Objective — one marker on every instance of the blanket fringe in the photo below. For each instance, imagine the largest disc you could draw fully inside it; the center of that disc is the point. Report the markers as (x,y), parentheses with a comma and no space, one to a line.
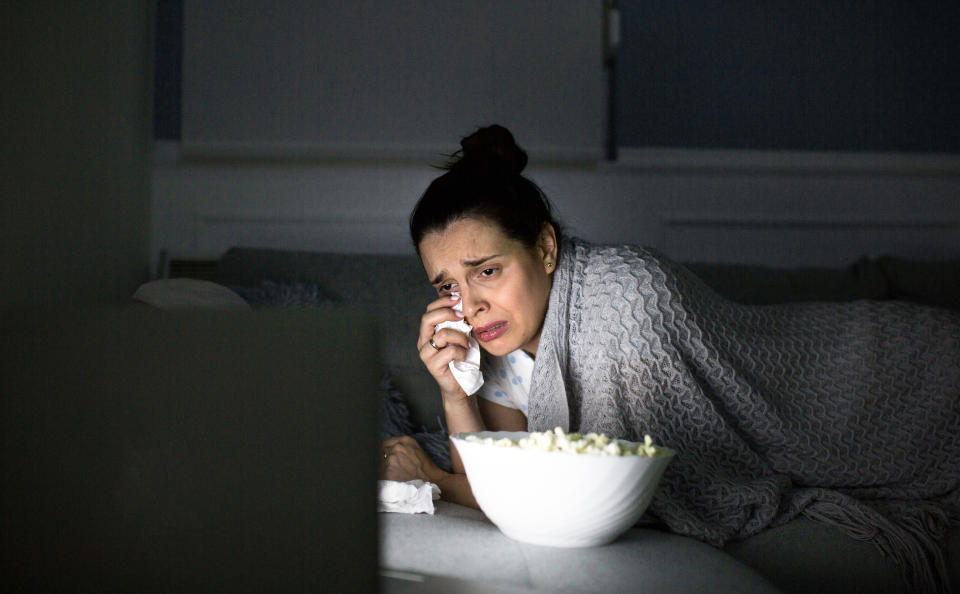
(914,540)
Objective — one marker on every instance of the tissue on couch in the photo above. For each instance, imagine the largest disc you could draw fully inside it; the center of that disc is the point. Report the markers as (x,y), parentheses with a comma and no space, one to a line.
(411,497)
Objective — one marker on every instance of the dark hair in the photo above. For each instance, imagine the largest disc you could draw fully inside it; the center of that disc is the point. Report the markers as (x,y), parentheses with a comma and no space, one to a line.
(483,180)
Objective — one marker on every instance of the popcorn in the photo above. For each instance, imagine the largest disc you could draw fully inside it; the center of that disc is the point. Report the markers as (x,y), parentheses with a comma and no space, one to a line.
(557,440)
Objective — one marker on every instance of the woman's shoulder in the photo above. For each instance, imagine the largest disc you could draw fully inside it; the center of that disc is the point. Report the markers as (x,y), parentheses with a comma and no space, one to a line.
(630,265)
(612,255)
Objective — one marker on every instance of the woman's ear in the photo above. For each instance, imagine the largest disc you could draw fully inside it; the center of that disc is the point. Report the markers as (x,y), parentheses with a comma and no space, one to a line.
(547,247)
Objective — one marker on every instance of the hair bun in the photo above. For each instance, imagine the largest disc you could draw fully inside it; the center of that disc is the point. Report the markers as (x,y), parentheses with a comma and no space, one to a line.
(493,148)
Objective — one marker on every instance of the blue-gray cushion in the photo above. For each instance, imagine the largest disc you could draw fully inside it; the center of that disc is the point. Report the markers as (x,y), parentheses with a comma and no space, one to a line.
(274,295)
(394,288)
(395,420)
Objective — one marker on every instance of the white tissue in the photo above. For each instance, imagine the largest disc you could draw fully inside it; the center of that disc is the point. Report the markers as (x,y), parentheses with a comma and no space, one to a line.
(411,497)
(467,373)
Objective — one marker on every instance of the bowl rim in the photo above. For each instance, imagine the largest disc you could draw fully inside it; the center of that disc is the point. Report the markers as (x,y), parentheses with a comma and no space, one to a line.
(663,451)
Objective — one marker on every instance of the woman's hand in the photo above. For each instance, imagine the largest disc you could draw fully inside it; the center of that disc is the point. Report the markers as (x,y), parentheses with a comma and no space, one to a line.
(448,345)
(405,460)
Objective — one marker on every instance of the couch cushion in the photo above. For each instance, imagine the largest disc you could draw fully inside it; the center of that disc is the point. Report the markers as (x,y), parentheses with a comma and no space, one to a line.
(809,556)
(274,295)
(395,289)
(461,542)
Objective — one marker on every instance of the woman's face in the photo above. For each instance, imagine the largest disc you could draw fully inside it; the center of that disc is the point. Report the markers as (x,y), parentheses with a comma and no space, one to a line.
(505,285)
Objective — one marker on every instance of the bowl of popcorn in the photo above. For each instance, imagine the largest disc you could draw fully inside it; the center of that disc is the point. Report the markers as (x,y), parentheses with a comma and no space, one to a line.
(561,489)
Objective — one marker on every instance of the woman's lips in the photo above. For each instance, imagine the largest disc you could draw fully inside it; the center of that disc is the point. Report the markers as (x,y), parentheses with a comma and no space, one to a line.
(490,331)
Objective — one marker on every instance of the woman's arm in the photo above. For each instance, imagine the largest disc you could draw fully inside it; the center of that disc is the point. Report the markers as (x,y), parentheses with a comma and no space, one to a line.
(501,418)
(481,414)
(474,414)
(405,460)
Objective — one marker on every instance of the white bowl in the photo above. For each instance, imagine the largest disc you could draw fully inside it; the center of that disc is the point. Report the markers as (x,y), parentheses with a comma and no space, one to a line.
(556,498)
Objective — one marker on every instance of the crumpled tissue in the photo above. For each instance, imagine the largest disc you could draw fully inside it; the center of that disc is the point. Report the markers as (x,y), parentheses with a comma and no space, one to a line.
(411,497)
(467,373)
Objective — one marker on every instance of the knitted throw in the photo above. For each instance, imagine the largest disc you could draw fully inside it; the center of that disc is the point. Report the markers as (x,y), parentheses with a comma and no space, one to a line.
(848,413)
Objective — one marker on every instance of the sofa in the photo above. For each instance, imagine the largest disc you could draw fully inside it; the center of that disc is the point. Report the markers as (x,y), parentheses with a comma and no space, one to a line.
(114,445)
(801,556)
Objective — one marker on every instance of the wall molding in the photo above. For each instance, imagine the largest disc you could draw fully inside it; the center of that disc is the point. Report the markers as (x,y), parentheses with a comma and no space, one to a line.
(214,217)
(292,152)
(629,160)
(805,222)
(218,230)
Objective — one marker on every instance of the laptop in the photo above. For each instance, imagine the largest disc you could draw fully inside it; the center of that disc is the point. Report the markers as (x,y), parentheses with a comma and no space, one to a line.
(147,450)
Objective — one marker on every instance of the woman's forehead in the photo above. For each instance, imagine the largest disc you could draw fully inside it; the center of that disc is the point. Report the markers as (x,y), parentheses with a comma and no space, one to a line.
(461,242)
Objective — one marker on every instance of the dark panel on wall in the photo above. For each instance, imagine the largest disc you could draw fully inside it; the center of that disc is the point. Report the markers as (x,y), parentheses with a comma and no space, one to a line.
(822,75)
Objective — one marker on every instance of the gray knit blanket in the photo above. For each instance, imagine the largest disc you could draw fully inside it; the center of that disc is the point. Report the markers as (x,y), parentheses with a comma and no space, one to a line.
(848,413)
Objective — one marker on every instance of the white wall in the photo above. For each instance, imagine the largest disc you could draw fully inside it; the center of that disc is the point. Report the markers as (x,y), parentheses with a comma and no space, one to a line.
(763,208)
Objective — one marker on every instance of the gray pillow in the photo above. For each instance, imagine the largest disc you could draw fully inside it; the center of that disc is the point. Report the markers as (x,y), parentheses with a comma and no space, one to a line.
(188,293)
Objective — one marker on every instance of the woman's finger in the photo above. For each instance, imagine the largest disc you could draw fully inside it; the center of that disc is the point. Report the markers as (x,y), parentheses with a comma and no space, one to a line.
(437,312)
(444,346)
(437,361)
(397,439)
(448,336)
(401,446)
(434,316)
(442,302)
(399,468)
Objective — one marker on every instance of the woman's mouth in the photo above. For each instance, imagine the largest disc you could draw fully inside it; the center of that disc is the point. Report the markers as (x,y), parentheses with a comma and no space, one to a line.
(490,331)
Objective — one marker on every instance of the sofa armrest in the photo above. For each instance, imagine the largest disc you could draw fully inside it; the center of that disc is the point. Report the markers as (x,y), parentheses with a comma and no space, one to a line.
(761,285)
(933,283)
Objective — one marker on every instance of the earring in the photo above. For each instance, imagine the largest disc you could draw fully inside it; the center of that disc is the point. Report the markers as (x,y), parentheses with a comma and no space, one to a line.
(549,264)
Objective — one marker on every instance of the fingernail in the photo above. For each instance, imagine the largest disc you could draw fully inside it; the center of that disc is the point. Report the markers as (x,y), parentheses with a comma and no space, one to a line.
(459,313)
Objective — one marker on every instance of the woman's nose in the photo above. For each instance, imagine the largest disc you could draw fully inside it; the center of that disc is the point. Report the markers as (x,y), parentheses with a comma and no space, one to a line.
(473,304)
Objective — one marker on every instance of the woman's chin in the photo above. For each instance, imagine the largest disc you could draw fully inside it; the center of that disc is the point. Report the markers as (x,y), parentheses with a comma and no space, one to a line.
(496,348)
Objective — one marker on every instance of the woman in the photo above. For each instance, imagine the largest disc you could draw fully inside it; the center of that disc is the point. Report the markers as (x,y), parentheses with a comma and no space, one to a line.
(486,233)
(846,413)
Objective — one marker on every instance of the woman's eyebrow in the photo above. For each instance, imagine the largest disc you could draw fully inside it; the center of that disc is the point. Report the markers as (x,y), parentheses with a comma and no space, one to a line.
(466,264)
(477,262)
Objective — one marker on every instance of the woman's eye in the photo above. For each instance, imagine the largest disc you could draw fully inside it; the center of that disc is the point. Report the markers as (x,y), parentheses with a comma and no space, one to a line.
(445,289)
(488,272)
